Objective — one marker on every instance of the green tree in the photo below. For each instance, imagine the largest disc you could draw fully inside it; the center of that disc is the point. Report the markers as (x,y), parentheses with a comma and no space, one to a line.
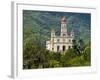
(81,45)
(67,56)
(87,54)
(54,63)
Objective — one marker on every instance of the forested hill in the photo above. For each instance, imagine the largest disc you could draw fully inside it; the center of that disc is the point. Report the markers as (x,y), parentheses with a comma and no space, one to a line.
(37,25)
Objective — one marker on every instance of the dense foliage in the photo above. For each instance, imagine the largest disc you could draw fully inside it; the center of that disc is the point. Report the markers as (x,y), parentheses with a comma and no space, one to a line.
(36,56)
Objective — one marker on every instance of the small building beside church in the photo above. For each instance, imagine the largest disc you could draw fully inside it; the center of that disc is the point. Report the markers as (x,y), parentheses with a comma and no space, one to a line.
(62,42)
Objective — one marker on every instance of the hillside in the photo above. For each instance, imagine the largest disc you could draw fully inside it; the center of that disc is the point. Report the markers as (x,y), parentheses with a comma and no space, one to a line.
(37,24)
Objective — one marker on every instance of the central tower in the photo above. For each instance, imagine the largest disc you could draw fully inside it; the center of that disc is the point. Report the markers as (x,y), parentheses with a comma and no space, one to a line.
(62,42)
(63,27)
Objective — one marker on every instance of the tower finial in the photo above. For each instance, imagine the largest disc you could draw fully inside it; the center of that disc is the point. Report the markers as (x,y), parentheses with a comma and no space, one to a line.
(52,30)
(72,33)
(63,20)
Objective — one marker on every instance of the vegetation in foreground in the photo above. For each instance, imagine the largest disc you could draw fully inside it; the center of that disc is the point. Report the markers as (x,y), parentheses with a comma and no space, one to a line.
(35,56)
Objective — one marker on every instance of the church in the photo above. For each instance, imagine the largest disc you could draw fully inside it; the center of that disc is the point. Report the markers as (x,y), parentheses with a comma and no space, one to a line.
(62,42)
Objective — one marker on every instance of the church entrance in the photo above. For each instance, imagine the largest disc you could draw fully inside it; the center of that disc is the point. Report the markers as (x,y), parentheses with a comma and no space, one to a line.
(58,48)
(64,48)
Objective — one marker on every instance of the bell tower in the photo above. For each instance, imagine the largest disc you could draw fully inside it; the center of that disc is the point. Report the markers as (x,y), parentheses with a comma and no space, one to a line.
(52,39)
(52,33)
(63,27)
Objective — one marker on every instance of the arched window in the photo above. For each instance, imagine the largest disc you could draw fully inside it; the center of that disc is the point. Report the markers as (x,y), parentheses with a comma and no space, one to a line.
(69,47)
(58,40)
(64,48)
(69,40)
(58,47)
(64,34)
